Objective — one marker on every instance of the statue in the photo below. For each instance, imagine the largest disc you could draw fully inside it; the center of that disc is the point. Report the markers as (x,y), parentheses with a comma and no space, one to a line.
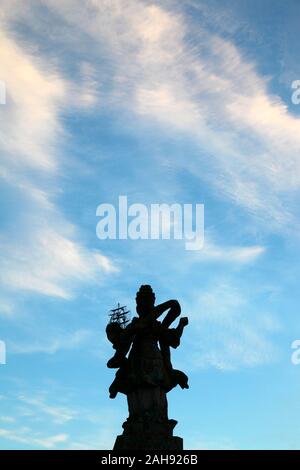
(147,374)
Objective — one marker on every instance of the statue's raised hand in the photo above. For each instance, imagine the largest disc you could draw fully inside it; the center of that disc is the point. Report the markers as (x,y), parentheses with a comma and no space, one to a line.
(184,321)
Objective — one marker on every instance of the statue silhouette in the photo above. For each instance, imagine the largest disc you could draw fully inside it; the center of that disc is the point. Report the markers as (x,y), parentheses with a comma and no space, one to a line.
(147,374)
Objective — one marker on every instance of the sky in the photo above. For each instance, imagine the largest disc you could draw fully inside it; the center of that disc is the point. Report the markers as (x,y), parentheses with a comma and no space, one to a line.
(182,101)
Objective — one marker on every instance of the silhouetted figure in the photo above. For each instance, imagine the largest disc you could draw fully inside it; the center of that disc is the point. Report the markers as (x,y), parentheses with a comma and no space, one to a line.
(146,375)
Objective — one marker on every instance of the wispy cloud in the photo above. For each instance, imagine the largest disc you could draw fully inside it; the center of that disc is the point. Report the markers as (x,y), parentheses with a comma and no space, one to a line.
(6,307)
(79,426)
(27,437)
(58,414)
(59,342)
(230,254)
(47,258)
(29,121)
(233,334)
(161,76)
(209,92)
(50,263)
(205,89)
(7,419)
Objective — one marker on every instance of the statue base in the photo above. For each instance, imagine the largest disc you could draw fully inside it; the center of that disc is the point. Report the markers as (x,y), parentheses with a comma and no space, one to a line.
(148,436)
(148,426)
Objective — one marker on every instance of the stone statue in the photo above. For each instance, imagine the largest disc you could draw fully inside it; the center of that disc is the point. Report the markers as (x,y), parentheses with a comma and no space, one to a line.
(146,375)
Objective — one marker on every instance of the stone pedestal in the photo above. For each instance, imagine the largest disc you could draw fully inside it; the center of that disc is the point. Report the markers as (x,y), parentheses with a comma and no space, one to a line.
(148,426)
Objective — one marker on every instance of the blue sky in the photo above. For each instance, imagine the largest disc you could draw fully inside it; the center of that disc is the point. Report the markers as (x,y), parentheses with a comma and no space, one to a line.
(163,101)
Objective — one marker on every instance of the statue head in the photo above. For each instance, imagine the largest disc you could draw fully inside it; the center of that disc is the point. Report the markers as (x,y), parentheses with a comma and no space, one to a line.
(145,299)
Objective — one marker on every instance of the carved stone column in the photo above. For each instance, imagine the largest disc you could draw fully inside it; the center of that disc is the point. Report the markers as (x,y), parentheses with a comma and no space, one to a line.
(147,426)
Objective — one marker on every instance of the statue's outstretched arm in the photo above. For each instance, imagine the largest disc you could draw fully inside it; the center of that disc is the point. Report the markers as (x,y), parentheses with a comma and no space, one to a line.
(174,311)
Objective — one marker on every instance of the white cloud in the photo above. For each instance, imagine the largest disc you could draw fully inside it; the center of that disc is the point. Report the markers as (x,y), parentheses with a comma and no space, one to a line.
(103,439)
(230,254)
(203,88)
(228,332)
(187,79)
(58,414)
(52,441)
(106,425)
(7,419)
(58,342)
(86,96)
(44,257)
(225,107)
(80,427)
(25,436)
(6,307)
(29,120)
(50,263)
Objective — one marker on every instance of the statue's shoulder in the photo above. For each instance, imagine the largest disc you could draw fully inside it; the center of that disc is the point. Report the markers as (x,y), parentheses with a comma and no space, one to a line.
(132,323)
